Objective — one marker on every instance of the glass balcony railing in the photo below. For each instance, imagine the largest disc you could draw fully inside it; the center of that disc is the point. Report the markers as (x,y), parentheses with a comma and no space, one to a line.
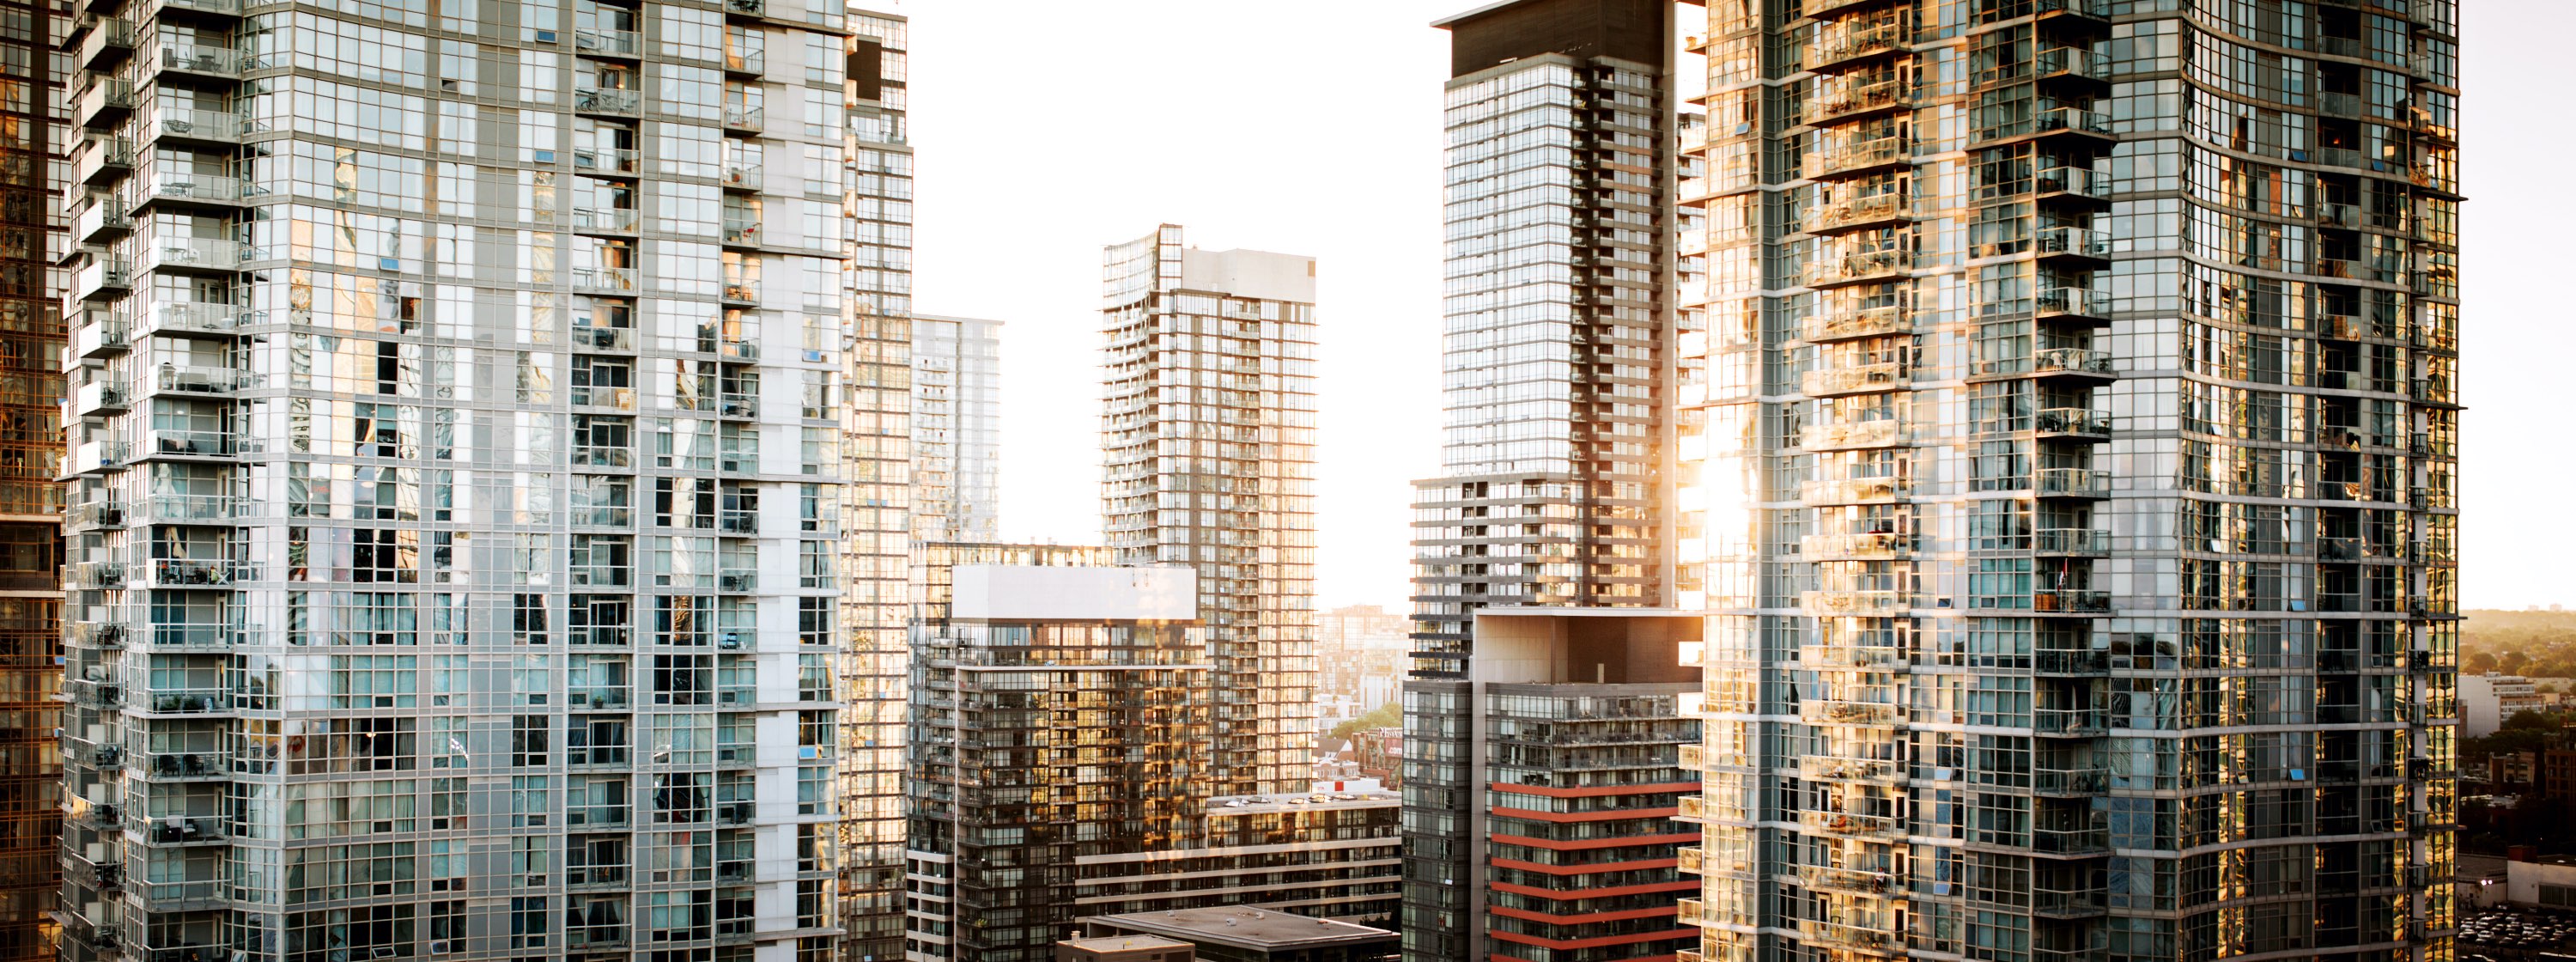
(1836,99)
(1847,435)
(1828,768)
(1848,657)
(2085,422)
(2072,241)
(1854,379)
(1851,931)
(1850,712)
(2068,721)
(2074,181)
(1840,322)
(1850,880)
(1829,268)
(1829,604)
(1840,491)
(1859,211)
(2071,541)
(2070,781)
(592,100)
(1851,41)
(2072,482)
(1870,546)
(1856,156)
(747,119)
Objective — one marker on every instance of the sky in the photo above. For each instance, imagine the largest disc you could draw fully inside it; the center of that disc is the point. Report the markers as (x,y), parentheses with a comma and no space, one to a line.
(1046,130)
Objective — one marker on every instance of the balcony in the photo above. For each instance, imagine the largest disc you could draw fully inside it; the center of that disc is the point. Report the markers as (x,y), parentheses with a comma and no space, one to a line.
(604,338)
(104,103)
(611,280)
(742,231)
(2072,422)
(1872,546)
(600,697)
(1864,604)
(173,185)
(99,160)
(180,701)
(1859,213)
(1854,379)
(1844,322)
(204,128)
(200,380)
(612,101)
(2071,841)
(738,405)
(155,9)
(2062,901)
(1851,435)
(107,42)
(1848,491)
(1828,269)
(747,62)
(740,178)
(1847,42)
(738,581)
(604,220)
(742,119)
(2070,601)
(104,277)
(2089,249)
(2073,362)
(192,318)
(184,766)
(2071,483)
(177,442)
(1862,657)
(2068,722)
(101,221)
(219,509)
(606,160)
(192,254)
(196,572)
(2071,303)
(1849,880)
(1850,712)
(220,62)
(1852,931)
(2071,542)
(1858,157)
(621,44)
(747,8)
(2071,183)
(92,457)
(1839,100)
(1872,771)
(2070,781)
(2081,68)
(97,398)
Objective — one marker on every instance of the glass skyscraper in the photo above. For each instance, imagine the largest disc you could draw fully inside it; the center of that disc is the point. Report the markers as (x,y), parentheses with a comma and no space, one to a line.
(1208,439)
(956,428)
(460,406)
(2079,480)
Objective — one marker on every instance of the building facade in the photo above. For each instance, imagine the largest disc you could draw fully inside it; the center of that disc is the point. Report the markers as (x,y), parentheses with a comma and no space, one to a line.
(874,341)
(2489,700)
(956,429)
(1561,357)
(1061,716)
(463,573)
(32,341)
(1208,446)
(2079,486)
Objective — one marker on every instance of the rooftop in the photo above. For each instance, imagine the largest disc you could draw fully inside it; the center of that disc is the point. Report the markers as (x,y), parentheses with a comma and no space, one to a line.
(1124,943)
(1242,927)
(1303,802)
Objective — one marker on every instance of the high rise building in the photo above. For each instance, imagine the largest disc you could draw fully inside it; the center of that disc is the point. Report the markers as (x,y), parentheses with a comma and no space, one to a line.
(956,429)
(1540,768)
(875,451)
(32,341)
(2080,480)
(1208,433)
(1061,711)
(463,576)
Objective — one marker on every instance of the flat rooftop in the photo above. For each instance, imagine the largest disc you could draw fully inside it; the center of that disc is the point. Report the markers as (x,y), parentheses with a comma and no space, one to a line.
(1224,805)
(1243,927)
(1124,943)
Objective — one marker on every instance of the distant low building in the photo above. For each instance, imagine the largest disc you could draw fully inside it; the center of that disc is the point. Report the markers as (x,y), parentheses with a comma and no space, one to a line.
(1249,934)
(2488,701)
(1123,948)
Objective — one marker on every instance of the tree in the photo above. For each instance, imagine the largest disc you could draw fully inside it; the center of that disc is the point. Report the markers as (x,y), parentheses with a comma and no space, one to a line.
(1389,715)
(2482,662)
(2511,662)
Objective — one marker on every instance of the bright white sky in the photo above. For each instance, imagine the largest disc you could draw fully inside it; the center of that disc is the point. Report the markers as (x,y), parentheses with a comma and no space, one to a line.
(1046,130)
